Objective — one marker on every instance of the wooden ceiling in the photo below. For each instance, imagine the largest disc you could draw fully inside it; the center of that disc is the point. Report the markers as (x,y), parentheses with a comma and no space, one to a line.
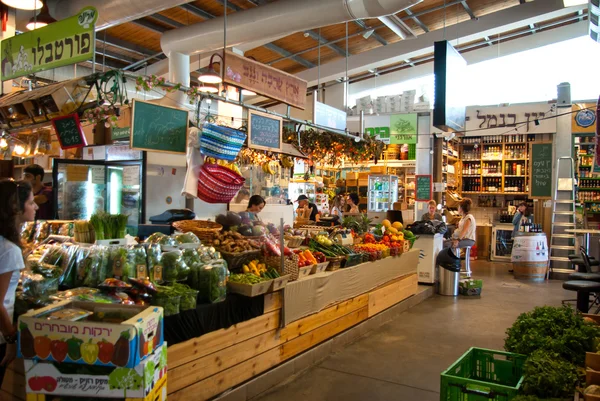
(139,40)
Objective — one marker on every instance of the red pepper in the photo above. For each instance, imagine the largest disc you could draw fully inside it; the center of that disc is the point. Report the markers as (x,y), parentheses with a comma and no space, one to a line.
(59,350)
(105,352)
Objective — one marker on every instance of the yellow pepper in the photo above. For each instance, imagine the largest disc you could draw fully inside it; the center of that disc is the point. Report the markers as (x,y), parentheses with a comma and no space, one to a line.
(89,352)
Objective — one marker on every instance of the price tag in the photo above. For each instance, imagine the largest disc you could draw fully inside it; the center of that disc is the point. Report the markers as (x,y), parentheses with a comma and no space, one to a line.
(131,175)
(98,175)
(157,273)
(77,173)
(141,272)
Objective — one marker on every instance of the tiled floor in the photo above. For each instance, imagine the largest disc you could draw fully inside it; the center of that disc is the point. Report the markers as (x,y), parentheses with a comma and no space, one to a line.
(403,359)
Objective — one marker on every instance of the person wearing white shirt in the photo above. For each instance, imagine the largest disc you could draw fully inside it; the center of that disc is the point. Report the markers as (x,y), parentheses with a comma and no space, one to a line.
(465,234)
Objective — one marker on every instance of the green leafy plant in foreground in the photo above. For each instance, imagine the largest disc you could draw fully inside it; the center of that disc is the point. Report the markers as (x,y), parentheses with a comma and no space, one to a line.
(547,375)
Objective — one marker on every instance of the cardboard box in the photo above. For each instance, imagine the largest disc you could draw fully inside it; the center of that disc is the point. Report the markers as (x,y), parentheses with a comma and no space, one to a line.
(351,183)
(378,170)
(248,290)
(363,175)
(132,340)
(352,176)
(138,382)
(363,182)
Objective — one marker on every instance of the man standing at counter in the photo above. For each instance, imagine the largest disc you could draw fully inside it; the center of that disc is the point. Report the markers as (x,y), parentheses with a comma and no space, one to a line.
(304,204)
(43,195)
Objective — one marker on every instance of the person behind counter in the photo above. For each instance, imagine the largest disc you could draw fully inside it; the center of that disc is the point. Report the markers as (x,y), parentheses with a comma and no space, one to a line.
(521,216)
(242,195)
(34,174)
(352,203)
(256,204)
(464,235)
(337,206)
(17,206)
(304,204)
(432,213)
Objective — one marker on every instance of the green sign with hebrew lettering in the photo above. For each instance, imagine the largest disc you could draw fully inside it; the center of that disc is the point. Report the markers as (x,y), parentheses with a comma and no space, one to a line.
(65,42)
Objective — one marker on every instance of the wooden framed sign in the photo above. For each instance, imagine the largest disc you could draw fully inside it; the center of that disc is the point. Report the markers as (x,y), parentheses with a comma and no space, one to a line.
(158,128)
(423,188)
(264,131)
(540,170)
(69,132)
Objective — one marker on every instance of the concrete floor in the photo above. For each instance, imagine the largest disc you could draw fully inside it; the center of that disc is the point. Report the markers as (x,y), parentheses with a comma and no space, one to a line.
(403,359)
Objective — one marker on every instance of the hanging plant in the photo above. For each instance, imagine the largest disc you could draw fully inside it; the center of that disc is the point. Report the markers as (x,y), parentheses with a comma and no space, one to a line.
(151,82)
(104,115)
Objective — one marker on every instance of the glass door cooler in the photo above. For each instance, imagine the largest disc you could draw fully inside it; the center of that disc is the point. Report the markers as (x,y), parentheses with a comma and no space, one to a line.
(501,242)
(383,192)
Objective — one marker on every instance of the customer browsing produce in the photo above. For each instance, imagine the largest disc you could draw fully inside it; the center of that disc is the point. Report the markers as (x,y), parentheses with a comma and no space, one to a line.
(17,206)
(352,203)
(256,204)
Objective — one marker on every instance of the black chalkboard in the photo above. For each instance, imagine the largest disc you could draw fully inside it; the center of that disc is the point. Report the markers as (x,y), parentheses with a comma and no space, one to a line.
(540,177)
(423,188)
(264,131)
(69,132)
(158,128)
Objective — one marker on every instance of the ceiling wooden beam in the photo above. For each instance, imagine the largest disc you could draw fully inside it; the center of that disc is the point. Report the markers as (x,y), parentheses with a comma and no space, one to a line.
(167,20)
(321,40)
(196,11)
(150,25)
(116,56)
(230,5)
(468,9)
(124,45)
(288,54)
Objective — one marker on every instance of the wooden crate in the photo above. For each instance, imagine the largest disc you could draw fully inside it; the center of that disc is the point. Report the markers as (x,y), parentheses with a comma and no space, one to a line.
(363,182)
(378,170)
(280,283)
(364,176)
(304,272)
(351,182)
(352,176)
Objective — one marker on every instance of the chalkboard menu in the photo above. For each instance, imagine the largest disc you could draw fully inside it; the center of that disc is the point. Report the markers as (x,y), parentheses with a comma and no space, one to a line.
(540,176)
(158,128)
(69,132)
(264,131)
(422,187)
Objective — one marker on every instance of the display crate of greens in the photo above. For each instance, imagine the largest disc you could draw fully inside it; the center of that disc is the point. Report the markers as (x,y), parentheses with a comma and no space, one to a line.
(132,331)
(319,268)
(250,290)
(279,283)
(483,375)
(353,259)
(210,280)
(135,383)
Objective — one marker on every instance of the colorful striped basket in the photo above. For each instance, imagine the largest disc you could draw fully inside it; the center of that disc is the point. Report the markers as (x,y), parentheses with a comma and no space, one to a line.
(218,184)
(221,142)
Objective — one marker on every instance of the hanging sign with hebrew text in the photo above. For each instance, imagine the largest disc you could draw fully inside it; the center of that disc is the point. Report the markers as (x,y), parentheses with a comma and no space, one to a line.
(69,41)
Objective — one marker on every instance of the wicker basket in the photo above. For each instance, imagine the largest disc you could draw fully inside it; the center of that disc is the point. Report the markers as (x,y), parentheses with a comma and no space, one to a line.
(295,242)
(204,229)
(290,265)
(235,261)
(336,263)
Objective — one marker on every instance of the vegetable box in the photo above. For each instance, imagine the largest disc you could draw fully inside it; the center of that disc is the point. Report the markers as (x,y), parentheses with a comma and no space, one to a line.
(249,290)
(279,283)
(470,287)
(114,335)
(78,380)
(304,272)
(319,268)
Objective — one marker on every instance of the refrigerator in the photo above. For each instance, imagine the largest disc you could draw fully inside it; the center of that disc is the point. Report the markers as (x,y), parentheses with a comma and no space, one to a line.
(296,189)
(501,242)
(85,187)
(383,192)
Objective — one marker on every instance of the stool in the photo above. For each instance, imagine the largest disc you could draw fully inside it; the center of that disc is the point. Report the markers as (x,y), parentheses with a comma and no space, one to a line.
(467,272)
(583,288)
(585,276)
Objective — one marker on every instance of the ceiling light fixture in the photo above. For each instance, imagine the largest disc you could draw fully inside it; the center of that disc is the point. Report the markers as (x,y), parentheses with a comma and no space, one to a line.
(209,88)
(209,75)
(24,4)
(248,92)
(571,3)
(3,143)
(19,150)
(368,34)
(42,19)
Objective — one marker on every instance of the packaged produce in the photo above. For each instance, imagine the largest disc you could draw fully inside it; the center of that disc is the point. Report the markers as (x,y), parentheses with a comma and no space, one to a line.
(169,302)
(28,231)
(167,241)
(70,314)
(109,226)
(153,258)
(154,238)
(172,263)
(70,294)
(128,262)
(36,288)
(136,259)
(188,296)
(187,238)
(54,255)
(113,283)
(42,231)
(66,229)
(143,284)
(210,280)
(46,270)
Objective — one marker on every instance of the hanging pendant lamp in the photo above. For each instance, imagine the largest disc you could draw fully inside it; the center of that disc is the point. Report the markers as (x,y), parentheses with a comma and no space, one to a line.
(42,19)
(24,4)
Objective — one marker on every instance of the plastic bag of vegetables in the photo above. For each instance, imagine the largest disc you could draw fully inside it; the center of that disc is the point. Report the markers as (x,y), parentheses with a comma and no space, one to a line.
(136,261)
(68,277)
(210,280)
(54,255)
(187,238)
(88,265)
(42,231)
(153,259)
(168,298)
(155,238)
(172,264)
(104,268)
(117,264)
(36,288)
(188,296)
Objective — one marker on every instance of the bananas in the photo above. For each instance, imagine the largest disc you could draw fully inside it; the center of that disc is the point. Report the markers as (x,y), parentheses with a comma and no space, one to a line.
(287,162)
(231,166)
(268,168)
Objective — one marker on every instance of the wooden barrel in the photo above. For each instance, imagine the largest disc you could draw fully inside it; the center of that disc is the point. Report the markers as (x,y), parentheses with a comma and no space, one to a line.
(530,256)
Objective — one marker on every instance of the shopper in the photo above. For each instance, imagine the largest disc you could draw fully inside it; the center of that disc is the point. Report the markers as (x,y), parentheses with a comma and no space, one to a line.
(43,195)
(432,213)
(521,216)
(337,206)
(304,205)
(17,206)
(256,204)
(242,195)
(464,235)
(352,203)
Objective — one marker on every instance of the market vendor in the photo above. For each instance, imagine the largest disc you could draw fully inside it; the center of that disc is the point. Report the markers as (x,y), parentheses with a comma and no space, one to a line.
(304,204)
(17,206)
(256,204)
(464,235)
(34,174)
(432,213)
(352,203)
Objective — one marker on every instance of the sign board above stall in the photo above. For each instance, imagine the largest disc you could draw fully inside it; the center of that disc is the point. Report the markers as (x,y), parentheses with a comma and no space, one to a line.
(69,132)
(264,80)
(65,42)
(327,116)
(395,129)
(264,131)
(540,179)
(450,79)
(500,120)
(158,128)
(583,118)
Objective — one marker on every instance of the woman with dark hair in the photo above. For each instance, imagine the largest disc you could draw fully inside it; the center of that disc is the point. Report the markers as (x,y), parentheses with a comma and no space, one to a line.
(464,235)
(17,206)
(521,216)
(352,203)
(256,203)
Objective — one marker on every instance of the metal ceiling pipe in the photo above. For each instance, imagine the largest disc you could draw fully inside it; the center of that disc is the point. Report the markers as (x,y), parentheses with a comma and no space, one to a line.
(112,12)
(397,26)
(276,19)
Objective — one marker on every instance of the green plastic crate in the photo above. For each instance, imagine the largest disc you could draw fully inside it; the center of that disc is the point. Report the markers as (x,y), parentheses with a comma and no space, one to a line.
(483,375)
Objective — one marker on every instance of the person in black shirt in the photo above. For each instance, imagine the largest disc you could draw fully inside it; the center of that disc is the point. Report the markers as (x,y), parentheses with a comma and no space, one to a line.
(303,203)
